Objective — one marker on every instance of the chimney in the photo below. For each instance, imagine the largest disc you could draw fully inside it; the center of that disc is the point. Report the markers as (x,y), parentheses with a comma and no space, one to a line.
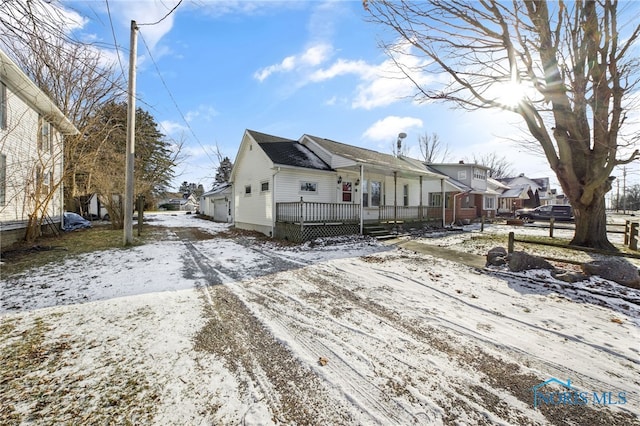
(461,162)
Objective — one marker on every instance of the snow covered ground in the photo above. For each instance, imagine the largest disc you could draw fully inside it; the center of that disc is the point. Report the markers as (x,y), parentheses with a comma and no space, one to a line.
(206,326)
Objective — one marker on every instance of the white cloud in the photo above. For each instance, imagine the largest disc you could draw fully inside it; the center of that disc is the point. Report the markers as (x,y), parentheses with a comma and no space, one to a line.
(313,56)
(203,113)
(170,128)
(387,129)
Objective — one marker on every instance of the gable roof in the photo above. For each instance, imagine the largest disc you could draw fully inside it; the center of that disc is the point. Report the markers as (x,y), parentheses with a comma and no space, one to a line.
(288,152)
(368,156)
(26,89)
(218,188)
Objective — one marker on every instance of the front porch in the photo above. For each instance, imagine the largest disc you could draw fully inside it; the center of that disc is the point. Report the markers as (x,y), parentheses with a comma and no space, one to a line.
(303,220)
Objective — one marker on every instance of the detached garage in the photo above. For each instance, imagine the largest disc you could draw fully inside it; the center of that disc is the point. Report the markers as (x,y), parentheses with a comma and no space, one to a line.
(218,203)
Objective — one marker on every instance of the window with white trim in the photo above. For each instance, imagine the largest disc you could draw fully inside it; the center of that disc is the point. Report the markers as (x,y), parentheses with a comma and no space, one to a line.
(308,186)
(3,106)
(247,190)
(376,193)
(435,199)
(264,186)
(44,137)
(489,203)
(405,195)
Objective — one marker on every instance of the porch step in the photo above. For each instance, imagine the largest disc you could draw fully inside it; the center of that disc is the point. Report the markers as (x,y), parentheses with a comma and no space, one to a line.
(377,232)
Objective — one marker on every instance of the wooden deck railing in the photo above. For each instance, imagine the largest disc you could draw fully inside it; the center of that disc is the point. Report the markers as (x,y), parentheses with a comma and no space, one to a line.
(312,212)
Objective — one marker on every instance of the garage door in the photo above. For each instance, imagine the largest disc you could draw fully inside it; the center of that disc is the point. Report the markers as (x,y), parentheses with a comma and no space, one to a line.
(220,210)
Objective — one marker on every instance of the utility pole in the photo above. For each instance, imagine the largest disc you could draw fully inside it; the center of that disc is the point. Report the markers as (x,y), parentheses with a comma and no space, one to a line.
(131,138)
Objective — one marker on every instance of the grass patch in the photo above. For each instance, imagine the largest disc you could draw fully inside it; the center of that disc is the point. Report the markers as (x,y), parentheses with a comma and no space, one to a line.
(40,382)
(54,249)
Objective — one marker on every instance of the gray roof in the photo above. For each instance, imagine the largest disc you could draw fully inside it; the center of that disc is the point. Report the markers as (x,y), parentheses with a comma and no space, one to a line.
(368,156)
(288,152)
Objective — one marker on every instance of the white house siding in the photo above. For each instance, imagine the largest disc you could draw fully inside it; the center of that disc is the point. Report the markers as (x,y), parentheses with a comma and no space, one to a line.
(288,182)
(19,143)
(254,211)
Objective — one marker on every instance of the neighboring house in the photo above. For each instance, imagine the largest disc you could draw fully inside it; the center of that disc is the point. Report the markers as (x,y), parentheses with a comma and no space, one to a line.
(475,197)
(178,201)
(301,189)
(524,192)
(32,129)
(218,203)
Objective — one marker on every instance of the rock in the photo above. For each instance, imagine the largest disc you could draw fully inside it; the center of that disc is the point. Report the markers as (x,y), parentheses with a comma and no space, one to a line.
(569,277)
(520,261)
(497,256)
(616,270)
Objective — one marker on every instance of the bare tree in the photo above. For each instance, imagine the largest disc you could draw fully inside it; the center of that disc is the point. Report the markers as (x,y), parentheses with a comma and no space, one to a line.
(573,64)
(499,167)
(432,148)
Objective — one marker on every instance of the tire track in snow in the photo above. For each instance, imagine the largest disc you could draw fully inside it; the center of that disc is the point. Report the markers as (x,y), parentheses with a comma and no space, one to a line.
(370,393)
(267,371)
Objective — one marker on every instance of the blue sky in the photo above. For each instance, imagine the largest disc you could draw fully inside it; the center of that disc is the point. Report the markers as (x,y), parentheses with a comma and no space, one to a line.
(210,70)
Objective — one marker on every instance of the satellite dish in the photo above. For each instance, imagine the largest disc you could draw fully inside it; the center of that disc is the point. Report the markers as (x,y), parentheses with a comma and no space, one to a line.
(402,135)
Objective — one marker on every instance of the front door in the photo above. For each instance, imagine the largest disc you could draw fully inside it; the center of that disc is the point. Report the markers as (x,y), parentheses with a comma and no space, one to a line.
(347,192)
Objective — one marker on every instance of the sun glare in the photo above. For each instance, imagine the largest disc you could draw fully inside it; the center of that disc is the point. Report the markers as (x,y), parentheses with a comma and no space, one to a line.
(509,94)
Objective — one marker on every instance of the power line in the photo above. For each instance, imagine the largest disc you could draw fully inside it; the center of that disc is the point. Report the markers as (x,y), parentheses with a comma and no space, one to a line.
(115,40)
(165,16)
(174,100)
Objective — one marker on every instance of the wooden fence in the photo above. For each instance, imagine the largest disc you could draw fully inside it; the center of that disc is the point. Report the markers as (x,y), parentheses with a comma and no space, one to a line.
(631,234)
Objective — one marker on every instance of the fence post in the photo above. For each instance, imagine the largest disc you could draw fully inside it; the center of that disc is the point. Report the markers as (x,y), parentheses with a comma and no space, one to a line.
(551,222)
(301,217)
(512,237)
(627,231)
(633,236)
(482,224)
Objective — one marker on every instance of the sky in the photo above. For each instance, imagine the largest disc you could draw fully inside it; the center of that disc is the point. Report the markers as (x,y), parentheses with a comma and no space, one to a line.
(210,69)
(407,338)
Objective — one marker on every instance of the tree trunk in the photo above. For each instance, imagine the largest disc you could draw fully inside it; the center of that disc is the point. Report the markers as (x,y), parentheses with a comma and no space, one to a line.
(591,226)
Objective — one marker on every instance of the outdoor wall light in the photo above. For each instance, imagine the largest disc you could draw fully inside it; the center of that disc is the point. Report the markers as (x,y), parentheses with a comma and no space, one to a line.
(339,179)
(357,182)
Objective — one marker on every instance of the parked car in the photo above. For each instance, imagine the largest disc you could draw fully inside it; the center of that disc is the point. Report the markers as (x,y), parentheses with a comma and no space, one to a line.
(562,212)
(73,221)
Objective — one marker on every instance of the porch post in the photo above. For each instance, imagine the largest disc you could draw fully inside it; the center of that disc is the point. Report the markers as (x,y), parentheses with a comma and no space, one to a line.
(444,202)
(395,198)
(420,215)
(361,198)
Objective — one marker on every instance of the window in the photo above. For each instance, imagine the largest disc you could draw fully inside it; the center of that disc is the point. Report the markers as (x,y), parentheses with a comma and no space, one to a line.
(489,203)
(462,174)
(247,190)
(376,190)
(44,138)
(346,192)
(365,193)
(3,179)
(308,187)
(405,195)
(479,174)
(264,186)
(3,106)
(435,199)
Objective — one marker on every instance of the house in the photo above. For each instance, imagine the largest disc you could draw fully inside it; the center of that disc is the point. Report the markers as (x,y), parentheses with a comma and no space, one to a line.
(524,192)
(32,131)
(311,187)
(179,202)
(472,196)
(218,203)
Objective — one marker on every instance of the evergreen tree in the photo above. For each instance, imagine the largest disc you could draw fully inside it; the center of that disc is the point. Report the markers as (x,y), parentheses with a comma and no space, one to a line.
(224,170)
